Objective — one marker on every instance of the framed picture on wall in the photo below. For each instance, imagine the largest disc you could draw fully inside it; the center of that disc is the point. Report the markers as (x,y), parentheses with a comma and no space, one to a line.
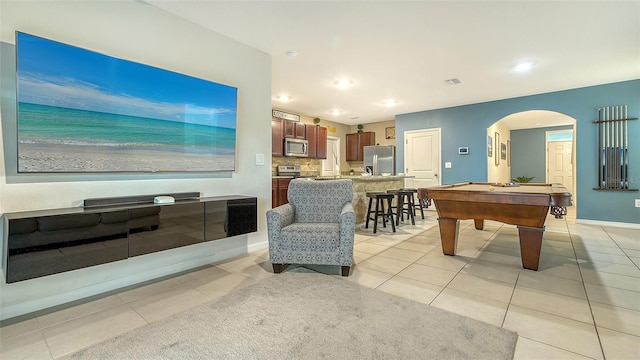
(489,146)
(508,152)
(503,151)
(497,140)
(390,133)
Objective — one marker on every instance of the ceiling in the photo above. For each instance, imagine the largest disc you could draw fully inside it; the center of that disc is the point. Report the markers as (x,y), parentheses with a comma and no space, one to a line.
(406,50)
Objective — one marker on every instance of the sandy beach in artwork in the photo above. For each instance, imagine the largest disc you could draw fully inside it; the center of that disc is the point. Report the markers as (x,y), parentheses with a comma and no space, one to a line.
(68,158)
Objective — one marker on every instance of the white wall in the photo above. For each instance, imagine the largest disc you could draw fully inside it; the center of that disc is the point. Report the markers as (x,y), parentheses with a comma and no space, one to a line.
(142,33)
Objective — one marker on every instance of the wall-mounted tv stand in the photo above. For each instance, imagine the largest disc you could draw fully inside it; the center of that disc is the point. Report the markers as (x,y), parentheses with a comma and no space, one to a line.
(45,242)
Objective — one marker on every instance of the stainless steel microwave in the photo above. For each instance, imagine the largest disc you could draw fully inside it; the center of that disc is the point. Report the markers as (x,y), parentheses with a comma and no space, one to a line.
(296,147)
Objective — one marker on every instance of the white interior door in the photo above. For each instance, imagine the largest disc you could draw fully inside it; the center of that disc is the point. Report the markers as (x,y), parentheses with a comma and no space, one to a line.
(331,165)
(559,166)
(422,157)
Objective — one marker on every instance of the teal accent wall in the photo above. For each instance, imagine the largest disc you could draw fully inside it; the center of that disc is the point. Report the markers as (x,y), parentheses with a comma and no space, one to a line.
(528,155)
(467,126)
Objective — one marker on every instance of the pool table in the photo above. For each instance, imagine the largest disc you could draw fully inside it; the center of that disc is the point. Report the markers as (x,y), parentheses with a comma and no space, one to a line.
(524,205)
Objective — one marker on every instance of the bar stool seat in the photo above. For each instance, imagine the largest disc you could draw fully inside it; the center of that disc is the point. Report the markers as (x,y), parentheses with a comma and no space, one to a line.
(379,210)
(404,205)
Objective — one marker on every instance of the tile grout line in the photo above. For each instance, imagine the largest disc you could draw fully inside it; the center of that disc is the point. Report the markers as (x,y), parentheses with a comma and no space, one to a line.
(595,324)
(513,291)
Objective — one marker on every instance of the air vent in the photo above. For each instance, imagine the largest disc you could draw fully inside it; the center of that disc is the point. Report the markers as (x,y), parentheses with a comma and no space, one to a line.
(454,81)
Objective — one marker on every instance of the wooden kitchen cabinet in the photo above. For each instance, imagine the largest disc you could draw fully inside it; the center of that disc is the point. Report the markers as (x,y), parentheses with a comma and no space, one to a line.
(312,140)
(321,146)
(356,142)
(317,139)
(283,187)
(295,130)
(279,188)
(274,192)
(277,136)
(315,135)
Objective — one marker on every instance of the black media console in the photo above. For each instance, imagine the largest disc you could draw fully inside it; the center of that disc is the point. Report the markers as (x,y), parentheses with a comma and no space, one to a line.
(47,242)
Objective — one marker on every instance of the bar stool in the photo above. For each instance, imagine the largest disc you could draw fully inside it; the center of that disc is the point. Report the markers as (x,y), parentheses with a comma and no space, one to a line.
(379,211)
(416,205)
(423,199)
(404,205)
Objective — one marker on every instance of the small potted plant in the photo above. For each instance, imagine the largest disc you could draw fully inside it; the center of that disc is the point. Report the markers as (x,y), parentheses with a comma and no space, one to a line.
(360,127)
(523,179)
(316,121)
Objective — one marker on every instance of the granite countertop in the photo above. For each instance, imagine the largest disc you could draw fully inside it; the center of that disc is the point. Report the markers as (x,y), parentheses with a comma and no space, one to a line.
(365,177)
(352,177)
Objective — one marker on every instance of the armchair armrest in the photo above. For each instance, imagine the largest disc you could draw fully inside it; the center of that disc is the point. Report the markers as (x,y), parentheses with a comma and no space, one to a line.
(347,226)
(277,218)
(347,211)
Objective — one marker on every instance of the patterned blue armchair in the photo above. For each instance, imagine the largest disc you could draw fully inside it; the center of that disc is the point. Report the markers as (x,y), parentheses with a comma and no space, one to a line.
(317,226)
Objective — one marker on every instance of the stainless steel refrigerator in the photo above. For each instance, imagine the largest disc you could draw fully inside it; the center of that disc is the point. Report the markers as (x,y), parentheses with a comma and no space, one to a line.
(380,159)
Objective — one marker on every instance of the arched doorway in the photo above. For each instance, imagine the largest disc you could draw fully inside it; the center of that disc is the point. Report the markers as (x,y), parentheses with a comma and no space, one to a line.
(523,142)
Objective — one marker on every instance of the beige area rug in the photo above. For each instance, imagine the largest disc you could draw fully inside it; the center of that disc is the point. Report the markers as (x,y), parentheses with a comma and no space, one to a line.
(301,314)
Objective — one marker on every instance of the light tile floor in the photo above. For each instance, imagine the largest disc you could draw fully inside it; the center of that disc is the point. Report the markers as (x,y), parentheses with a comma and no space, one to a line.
(583,303)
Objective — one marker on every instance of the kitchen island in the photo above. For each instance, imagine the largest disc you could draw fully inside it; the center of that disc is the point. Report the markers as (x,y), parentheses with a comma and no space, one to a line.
(367,183)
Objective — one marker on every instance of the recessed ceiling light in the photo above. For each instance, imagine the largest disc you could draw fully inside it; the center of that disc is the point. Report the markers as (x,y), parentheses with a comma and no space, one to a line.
(523,67)
(284,98)
(336,112)
(390,103)
(343,83)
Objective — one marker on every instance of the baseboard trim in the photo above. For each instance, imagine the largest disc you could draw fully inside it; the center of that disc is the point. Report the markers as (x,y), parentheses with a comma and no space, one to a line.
(608,223)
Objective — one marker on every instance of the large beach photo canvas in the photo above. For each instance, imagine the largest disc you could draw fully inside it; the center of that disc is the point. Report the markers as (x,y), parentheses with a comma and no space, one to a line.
(82,111)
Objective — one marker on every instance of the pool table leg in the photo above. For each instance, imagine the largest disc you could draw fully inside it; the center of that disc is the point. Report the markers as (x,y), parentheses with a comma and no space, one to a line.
(530,245)
(448,235)
(479,224)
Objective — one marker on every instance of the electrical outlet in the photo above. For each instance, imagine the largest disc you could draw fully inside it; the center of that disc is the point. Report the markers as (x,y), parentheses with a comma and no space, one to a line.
(637,202)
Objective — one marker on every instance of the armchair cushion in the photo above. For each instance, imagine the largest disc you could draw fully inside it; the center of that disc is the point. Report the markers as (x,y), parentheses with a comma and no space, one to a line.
(319,200)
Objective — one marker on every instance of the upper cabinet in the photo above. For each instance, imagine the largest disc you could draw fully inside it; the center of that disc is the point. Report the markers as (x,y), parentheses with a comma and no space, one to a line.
(293,129)
(315,135)
(356,142)
(317,139)
(321,148)
(277,134)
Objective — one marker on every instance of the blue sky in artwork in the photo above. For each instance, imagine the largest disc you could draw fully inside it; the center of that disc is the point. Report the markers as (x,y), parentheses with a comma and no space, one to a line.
(56,74)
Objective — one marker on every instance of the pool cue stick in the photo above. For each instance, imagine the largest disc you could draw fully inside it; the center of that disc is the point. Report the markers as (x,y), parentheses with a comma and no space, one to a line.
(621,149)
(619,143)
(626,147)
(608,165)
(600,149)
(615,148)
(606,144)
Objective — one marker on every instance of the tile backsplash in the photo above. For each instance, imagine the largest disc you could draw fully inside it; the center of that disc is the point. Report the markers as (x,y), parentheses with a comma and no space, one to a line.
(308,167)
(311,167)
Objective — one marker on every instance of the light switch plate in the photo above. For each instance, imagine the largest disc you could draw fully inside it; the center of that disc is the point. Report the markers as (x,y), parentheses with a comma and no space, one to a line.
(260,159)
(637,202)
(447,165)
